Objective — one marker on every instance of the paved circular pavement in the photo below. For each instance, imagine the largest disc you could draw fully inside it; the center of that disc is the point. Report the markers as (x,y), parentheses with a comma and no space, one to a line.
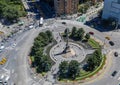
(77,52)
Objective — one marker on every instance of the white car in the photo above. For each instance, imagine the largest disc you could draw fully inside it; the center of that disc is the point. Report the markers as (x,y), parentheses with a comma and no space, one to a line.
(7,78)
(2,76)
(14,45)
(2,47)
(31,26)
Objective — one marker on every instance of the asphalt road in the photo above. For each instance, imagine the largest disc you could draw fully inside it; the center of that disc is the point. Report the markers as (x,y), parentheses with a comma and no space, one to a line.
(17,55)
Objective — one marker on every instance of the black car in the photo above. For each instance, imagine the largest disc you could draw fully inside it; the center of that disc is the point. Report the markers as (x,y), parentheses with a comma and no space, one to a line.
(114,73)
(111,43)
(64,23)
(116,54)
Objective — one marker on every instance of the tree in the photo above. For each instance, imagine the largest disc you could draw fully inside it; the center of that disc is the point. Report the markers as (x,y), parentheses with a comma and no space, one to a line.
(98,55)
(95,60)
(66,31)
(44,64)
(49,34)
(63,69)
(91,63)
(10,13)
(73,69)
(80,34)
(37,60)
(45,39)
(2,5)
(38,56)
(87,36)
(73,33)
(83,8)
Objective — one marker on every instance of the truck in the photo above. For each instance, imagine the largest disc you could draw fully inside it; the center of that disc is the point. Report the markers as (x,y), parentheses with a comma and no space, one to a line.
(41,21)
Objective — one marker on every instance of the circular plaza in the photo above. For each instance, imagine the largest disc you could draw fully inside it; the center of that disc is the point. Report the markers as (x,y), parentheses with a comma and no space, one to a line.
(76,52)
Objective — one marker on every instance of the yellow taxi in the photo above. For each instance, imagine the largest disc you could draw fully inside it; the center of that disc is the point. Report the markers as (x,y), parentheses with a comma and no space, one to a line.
(3,61)
(107,37)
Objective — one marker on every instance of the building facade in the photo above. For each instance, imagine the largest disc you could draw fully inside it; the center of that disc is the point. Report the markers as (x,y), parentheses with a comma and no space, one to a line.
(66,6)
(111,9)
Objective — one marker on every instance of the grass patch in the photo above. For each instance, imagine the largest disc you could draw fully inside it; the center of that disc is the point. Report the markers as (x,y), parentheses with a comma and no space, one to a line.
(43,73)
(83,72)
(32,58)
(93,43)
(48,50)
(90,74)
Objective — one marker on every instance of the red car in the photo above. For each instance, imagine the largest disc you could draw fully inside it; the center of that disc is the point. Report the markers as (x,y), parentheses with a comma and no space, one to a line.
(92,33)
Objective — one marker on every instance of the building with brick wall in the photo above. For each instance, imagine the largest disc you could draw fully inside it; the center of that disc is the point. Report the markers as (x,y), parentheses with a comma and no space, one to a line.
(66,6)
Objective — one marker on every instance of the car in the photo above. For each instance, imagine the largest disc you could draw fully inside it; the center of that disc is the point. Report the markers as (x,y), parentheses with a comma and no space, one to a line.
(92,33)
(0,50)
(63,22)
(114,73)
(116,54)
(7,78)
(5,83)
(2,76)
(3,61)
(14,44)
(1,83)
(111,43)
(107,37)
(31,26)
(2,47)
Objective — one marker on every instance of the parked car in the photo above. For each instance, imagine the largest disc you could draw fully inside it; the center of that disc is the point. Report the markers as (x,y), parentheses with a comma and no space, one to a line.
(111,43)
(116,54)
(114,73)
(92,33)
